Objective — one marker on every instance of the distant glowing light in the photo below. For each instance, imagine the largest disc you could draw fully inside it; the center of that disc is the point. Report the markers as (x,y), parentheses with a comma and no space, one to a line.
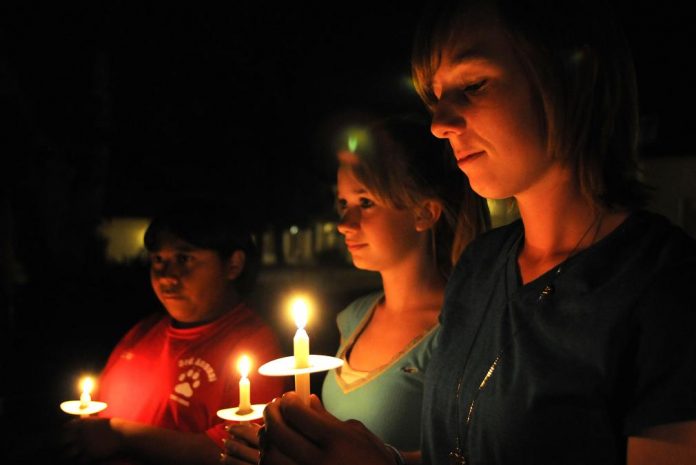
(407,83)
(294,230)
(357,138)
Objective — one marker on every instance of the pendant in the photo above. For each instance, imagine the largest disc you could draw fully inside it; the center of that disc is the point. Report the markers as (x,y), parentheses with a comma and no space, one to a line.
(546,292)
(456,457)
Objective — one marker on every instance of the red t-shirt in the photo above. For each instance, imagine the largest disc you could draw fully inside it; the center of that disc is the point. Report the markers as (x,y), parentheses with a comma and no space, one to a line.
(179,378)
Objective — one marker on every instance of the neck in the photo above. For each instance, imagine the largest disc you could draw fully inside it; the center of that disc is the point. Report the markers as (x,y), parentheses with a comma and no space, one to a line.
(229,301)
(415,284)
(558,222)
(555,226)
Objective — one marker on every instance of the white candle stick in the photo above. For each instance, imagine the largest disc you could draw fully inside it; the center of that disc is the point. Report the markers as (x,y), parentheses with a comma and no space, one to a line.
(244,386)
(301,349)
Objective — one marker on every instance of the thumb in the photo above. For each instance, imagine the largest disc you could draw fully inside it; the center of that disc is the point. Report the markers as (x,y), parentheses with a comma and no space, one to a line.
(315,404)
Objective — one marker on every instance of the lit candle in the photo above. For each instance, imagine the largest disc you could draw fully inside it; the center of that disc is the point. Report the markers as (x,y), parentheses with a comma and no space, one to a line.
(87,386)
(244,386)
(301,348)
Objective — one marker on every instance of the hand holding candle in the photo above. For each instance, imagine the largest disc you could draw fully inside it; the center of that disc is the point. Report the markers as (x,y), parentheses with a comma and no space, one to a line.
(301,348)
(244,386)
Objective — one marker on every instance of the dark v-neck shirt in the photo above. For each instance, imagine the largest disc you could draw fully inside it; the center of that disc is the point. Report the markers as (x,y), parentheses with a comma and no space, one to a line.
(610,351)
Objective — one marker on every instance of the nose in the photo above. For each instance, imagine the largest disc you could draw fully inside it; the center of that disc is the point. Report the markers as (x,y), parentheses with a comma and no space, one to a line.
(350,221)
(165,270)
(447,121)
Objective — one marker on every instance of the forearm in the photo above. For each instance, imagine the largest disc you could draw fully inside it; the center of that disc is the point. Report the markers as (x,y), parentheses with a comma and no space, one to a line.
(672,444)
(405,458)
(412,457)
(160,445)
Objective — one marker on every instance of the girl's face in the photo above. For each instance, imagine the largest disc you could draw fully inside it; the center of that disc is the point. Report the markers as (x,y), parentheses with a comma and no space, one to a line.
(486,109)
(377,235)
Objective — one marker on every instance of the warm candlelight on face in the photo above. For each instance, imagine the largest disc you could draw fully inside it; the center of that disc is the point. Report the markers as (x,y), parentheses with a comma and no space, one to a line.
(243,365)
(87,384)
(299,307)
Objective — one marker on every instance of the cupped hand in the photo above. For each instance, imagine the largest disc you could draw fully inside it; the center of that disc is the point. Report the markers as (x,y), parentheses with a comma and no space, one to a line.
(85,440)
(309,435)
(242,446)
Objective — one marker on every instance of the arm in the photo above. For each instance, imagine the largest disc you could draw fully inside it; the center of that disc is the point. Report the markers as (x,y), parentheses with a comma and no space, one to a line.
(302,435)
(243,445)
(670,444)
(95,439)
(412,458)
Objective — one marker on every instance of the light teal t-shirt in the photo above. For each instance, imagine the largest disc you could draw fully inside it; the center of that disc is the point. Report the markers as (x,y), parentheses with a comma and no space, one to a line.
(388,400)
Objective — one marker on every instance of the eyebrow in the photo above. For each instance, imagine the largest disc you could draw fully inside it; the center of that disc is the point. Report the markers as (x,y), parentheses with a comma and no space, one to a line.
(355,191)
(471,56)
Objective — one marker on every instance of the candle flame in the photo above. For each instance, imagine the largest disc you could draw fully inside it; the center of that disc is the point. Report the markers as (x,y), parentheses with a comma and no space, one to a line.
(86,385)
(244,365)
(300,309)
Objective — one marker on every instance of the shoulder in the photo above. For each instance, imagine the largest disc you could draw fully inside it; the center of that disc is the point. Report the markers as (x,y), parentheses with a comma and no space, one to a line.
(489,249)
(659,235)
(152,322)
(243,329)
(242,315)
(349,317)
(645,248)
(491,242)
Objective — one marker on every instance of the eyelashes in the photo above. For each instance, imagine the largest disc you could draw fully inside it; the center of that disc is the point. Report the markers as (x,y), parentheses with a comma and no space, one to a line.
(363,202)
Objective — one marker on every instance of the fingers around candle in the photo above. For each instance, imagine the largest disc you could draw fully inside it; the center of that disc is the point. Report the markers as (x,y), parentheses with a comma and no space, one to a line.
(279,436)
(314,423)
(247,433)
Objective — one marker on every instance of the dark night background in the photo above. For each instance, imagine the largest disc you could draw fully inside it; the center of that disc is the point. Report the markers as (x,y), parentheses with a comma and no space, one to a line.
(113,108)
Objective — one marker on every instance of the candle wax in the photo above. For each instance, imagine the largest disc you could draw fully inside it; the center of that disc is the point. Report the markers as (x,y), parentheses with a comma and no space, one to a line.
(244,396)
(301,353)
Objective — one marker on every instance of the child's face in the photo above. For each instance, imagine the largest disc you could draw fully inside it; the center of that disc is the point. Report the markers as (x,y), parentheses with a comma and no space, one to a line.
(487,110)
(192,283)
(378,236)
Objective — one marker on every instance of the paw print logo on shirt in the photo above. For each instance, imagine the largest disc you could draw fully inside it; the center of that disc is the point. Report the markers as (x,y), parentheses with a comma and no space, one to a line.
(188,382)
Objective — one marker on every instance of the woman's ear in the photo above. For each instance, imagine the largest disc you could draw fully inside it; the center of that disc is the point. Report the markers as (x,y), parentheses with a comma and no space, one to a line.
(427,213)
(235,264)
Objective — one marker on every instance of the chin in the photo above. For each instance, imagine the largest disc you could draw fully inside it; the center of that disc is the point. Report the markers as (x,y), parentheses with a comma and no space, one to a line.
(362,265)
(180,312)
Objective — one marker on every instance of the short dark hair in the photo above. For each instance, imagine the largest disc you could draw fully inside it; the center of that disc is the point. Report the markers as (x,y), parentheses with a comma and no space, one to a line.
(210,224)
(582,72)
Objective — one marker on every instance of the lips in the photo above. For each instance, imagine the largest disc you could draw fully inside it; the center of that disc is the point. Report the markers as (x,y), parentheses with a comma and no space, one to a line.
(353,246)
(464,158)
(171,294)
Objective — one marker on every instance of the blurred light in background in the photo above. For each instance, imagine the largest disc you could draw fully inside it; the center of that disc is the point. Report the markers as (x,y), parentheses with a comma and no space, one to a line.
(124,238)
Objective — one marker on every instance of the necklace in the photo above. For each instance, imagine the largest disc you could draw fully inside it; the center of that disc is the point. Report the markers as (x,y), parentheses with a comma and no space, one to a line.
(549,288)
(458,456)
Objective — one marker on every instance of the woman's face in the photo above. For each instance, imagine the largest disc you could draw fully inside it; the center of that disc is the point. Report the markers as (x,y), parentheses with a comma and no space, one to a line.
(486,109)
(378,236)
